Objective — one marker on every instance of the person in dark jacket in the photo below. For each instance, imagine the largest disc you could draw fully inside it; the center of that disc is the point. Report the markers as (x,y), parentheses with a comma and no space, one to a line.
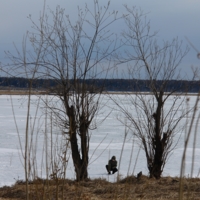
(112,165)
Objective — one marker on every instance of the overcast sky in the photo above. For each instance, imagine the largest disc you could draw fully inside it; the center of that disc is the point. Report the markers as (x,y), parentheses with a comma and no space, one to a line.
(171,18)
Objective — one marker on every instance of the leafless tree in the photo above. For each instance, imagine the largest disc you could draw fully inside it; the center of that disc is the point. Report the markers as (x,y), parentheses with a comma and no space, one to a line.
(70,52)
(152,121)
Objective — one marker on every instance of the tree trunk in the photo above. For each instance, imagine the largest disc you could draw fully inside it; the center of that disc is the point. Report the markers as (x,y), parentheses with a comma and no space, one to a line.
(84,124)
(73,141)
(80,164)
(156,168)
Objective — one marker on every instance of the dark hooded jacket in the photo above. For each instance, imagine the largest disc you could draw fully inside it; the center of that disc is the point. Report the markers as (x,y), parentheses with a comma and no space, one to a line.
(112,163)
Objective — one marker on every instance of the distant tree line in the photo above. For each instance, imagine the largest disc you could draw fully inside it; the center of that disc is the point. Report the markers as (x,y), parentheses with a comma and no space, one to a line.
(126,85)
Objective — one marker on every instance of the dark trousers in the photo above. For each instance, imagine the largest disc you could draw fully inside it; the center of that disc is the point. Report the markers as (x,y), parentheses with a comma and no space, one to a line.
(113,170)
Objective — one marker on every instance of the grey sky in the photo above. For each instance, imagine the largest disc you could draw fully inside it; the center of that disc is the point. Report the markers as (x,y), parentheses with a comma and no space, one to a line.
(171,18)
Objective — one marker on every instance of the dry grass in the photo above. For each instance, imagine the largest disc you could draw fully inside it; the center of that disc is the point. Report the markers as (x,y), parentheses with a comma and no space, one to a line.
(166,188)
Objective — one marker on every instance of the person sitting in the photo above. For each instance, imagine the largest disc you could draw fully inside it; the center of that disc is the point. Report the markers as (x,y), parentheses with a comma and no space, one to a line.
(112,165)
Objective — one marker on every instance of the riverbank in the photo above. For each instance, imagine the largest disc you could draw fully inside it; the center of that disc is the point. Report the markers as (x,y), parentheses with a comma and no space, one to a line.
(99,189)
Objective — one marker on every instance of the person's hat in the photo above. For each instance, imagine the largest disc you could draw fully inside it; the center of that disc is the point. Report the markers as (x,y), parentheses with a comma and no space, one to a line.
(113,157)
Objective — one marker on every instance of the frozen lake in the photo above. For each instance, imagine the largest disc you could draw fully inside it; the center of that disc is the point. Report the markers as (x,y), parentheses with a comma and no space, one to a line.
(106,141)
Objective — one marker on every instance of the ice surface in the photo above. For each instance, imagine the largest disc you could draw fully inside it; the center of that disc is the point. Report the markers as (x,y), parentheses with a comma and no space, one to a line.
(106,141)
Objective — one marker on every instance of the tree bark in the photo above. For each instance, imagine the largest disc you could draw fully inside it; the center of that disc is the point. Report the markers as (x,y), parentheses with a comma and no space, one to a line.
(84,146)
(156,169)
(80,164)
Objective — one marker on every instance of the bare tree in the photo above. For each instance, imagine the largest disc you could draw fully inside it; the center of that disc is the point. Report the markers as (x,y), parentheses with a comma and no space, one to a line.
(153,121)
(70,54)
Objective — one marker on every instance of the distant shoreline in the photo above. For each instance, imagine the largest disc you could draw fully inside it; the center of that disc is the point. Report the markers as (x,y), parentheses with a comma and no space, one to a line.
(42,92)
(21,92)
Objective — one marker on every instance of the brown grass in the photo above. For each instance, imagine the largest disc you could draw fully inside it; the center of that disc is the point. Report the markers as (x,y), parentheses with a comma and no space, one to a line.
(166,188)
